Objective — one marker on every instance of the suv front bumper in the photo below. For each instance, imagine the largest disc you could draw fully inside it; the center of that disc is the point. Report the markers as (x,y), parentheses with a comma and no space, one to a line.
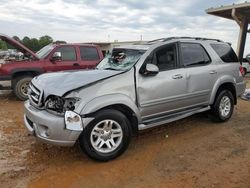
(48,127)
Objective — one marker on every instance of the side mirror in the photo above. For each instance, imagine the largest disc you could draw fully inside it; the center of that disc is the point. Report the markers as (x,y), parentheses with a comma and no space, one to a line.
(57,56)
(151,70)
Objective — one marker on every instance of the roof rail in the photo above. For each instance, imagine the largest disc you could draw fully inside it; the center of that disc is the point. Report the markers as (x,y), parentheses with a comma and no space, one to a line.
(176,38)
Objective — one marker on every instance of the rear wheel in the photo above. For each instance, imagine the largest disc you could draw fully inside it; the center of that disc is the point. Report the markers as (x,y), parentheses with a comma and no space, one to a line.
(107,136)
(223,107)
(20,87)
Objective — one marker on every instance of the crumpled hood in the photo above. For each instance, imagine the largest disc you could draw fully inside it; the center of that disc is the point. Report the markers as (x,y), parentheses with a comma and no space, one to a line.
(60,83)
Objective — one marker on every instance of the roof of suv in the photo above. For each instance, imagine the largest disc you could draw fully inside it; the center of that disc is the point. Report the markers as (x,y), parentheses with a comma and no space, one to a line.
(73,44)
(148,44)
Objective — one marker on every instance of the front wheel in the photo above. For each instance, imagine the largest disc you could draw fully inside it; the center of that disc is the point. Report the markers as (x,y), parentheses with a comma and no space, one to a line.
(107,136)
(20,87)
(223,107)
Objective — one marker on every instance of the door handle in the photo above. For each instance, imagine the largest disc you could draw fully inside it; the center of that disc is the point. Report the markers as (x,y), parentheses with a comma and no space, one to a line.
(213,72)
(177,76)
(76,64)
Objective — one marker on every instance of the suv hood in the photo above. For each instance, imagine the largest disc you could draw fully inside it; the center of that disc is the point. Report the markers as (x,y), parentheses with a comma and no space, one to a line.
(60,83)
(17,45)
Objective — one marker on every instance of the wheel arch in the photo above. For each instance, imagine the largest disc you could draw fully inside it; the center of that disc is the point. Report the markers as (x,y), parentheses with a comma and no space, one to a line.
(24,72)
(227,84)
(119,102)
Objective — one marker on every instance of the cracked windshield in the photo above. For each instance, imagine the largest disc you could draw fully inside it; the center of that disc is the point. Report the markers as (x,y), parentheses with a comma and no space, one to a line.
(120,59)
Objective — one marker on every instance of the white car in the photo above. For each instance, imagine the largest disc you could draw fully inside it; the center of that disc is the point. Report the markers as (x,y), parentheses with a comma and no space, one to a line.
(246,67)
(246,64)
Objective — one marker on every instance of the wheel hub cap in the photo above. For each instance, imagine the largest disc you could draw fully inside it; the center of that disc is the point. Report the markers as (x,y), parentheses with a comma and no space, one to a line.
(24,88)
(225,106)
(106,136)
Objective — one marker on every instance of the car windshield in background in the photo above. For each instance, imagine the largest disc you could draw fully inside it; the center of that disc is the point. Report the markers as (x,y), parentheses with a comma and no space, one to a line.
(120,59)
(45,51)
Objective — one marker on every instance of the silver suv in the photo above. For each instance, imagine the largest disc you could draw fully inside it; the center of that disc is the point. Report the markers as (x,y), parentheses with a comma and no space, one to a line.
(134,88)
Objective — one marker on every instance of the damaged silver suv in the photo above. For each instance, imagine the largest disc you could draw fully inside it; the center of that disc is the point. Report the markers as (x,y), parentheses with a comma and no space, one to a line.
(134,88)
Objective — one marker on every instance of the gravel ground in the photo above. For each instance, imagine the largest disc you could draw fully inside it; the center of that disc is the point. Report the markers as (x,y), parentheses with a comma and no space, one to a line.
(193,152)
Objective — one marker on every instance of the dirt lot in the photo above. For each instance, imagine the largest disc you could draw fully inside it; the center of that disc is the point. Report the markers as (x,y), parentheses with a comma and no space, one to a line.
(193,152)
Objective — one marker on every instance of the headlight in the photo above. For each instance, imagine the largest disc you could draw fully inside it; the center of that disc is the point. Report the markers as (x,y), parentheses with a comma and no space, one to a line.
(61,105)
(73,121)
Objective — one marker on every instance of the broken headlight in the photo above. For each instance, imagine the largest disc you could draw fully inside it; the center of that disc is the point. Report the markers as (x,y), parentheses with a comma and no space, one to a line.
(73,121)
(60,105)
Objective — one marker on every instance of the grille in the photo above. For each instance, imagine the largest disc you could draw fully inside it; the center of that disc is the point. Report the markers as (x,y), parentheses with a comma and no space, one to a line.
(35,96)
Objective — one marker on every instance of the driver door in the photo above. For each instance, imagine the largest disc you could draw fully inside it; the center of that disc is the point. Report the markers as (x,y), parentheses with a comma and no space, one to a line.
(166,91)
(68,60)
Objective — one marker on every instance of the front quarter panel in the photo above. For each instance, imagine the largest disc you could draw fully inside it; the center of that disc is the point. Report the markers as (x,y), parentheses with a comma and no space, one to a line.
(119,89)
(109,100)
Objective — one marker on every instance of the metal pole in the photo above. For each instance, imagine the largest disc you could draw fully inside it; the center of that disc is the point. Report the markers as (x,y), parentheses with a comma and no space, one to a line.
(242,38)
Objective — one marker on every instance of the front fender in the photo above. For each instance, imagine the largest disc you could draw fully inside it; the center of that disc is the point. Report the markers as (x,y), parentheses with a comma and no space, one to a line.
(224,79)
(108,100)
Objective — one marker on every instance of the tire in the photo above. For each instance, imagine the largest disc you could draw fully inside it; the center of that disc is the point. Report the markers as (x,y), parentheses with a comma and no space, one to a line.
(20,87)
(94,135)
(223,107)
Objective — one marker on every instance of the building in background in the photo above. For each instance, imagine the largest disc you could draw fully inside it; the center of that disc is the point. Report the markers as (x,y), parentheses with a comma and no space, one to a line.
(107,47)
(241,14)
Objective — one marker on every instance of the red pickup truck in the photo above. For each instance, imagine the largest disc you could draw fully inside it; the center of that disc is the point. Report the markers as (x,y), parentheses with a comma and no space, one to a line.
(16,74)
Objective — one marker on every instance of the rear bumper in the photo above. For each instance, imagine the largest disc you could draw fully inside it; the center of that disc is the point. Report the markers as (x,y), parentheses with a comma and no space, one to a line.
(240,88)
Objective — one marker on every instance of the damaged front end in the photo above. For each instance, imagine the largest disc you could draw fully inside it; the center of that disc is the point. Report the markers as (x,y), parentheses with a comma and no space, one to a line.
(60,105)
(65,107)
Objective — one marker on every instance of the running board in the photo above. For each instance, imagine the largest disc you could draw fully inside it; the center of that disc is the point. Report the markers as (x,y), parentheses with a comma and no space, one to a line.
(170,118)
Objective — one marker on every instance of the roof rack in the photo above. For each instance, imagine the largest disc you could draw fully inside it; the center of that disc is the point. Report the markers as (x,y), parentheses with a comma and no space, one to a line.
(173,38)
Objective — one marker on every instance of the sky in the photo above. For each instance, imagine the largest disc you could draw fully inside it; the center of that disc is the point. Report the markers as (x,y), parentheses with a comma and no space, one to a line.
(122,20)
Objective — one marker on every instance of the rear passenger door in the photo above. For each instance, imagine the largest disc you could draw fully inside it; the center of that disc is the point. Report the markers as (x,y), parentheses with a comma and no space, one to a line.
(89,57)
(201,73)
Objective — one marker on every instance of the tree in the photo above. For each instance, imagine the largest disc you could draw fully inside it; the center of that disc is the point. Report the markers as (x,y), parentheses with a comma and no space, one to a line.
(16,38)
(45,40)
(60,42)
(3,45)
(34,45)
(26,41)
(31,43)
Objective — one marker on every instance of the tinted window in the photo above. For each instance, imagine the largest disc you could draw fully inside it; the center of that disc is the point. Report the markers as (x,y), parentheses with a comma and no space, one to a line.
(194,54)
(225,52)
(165,58)
(89,53)
(68,53)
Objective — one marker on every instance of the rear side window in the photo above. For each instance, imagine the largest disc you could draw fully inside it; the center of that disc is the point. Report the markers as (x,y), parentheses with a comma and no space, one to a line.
(225,52)
(89,53)
(68,53)
(194,54)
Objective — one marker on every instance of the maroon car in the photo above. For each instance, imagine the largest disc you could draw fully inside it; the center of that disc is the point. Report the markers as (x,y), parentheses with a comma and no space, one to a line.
(16,74)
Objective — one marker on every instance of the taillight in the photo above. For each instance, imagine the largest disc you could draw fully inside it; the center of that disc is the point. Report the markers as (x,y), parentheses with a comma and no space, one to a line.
(241,71)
